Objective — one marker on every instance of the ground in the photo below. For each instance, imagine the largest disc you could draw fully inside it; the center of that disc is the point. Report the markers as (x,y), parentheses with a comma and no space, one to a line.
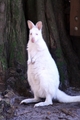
(57,111)
(10,109)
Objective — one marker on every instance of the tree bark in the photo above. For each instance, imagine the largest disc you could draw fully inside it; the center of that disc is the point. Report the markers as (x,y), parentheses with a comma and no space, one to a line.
(71,57)
(16,33)
(54,43)
(16,52)
(30,9)
(41,16)
(3,42)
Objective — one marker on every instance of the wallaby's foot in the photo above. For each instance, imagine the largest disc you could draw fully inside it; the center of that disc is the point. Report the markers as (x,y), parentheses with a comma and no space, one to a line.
(32,100)
(43,104)
(47,102)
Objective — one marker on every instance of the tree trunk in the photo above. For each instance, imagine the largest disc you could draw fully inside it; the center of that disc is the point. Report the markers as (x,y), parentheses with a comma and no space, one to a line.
(71,58)
(54,42)
(41,16)
(17,39)
(3,43)
(16,33)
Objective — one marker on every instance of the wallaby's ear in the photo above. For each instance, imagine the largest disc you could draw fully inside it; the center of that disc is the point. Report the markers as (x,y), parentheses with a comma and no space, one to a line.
(30,24)
(39,25)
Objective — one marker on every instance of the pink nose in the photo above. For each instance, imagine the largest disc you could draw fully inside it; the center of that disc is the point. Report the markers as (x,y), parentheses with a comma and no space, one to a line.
(32,40)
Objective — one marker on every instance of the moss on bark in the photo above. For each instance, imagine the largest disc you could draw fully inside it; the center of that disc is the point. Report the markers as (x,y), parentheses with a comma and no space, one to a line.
(16,33)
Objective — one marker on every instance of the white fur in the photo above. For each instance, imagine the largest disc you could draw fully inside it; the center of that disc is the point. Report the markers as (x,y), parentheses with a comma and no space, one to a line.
(43,75)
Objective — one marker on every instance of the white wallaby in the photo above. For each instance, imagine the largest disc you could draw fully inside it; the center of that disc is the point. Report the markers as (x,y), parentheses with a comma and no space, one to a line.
(43,75)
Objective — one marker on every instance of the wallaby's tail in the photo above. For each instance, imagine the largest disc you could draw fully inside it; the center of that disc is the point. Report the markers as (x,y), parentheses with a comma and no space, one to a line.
(63,97)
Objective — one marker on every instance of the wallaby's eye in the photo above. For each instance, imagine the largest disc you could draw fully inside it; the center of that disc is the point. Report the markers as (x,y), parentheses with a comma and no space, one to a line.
(30,33)
(36,33)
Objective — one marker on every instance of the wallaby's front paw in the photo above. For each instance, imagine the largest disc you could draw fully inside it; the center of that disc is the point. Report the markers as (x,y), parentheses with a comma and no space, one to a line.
(28,62)
(33,61)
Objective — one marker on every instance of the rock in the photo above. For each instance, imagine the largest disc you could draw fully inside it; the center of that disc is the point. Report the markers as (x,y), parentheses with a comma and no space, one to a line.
(2,117)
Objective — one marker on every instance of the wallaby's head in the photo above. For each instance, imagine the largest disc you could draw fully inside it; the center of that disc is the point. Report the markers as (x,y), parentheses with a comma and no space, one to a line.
(35,32)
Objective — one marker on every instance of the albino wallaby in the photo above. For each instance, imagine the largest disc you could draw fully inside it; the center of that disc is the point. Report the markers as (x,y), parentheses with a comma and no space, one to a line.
(43,75)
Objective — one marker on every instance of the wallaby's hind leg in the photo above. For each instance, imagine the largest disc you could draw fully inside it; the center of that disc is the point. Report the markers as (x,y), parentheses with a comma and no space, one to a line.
(48,101)
(31,100)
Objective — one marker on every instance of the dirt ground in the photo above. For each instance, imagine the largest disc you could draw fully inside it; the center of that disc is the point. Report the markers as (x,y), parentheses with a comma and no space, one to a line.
(57,111)
(10,109)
